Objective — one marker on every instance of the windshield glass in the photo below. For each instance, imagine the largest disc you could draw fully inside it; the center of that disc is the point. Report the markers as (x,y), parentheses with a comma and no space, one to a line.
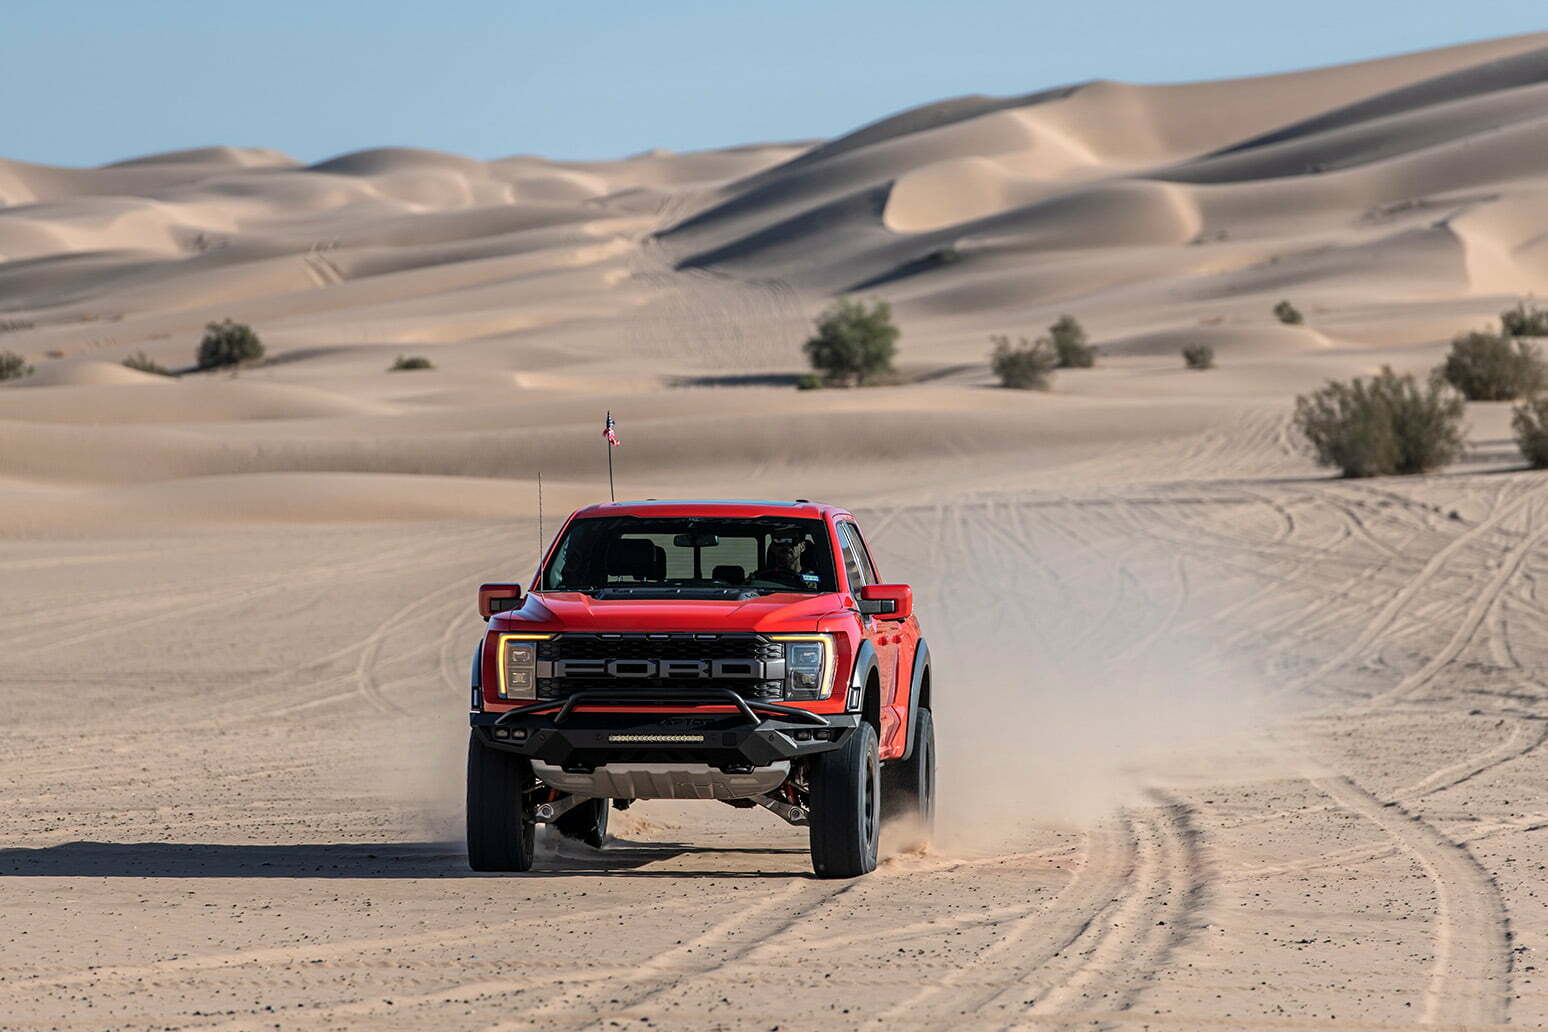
(625,553)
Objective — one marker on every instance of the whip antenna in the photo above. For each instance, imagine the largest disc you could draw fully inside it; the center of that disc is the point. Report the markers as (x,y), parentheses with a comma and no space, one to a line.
(540,519)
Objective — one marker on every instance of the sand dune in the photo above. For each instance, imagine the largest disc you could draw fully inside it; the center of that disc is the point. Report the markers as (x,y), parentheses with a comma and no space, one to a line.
(979,177)
(1159,214)
(1132,202)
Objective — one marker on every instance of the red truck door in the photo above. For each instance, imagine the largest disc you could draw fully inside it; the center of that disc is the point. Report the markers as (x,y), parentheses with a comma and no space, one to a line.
(883,635)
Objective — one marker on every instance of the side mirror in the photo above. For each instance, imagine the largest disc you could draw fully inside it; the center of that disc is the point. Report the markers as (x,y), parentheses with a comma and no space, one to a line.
(497,598)
(887,601)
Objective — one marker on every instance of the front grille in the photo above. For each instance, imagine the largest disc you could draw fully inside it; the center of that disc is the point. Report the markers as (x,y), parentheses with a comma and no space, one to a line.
(682,646)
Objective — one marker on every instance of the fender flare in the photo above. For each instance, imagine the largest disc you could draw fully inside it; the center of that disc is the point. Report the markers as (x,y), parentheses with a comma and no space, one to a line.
(476,679)
(921,664)
(859,673)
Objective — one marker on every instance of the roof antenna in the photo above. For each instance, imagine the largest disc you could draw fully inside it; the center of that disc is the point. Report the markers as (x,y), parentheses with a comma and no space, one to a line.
(540,519)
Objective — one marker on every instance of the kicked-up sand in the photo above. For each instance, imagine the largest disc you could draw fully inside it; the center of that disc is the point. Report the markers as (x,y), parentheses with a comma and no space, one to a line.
(1225,743)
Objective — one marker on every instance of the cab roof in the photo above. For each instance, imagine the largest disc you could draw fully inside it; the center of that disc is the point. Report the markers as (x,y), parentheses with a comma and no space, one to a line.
(727,507)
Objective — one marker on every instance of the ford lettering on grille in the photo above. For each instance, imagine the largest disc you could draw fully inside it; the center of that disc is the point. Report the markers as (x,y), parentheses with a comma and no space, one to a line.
(667,669)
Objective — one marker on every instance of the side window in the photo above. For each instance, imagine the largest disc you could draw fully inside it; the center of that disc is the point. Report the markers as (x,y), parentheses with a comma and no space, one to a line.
(851,560)
(868,567)
(856,563)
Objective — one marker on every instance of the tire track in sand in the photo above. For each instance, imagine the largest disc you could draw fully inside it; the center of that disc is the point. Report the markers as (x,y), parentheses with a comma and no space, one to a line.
(1126,947)
(1469,981)
(1033,938)
(1483,603)
(727,941)
(269,957)
(1408,592)
(1098,941)
(599,987)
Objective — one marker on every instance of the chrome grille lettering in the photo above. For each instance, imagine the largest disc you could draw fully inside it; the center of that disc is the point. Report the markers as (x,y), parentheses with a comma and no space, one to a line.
(674,669)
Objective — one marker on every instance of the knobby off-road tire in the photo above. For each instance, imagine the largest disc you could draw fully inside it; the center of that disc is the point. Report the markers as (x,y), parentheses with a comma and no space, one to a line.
(501,831)
(846,807)
(909,796)
(586,823)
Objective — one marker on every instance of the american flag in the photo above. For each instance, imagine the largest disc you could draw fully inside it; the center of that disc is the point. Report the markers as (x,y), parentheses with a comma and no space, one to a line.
(609,432)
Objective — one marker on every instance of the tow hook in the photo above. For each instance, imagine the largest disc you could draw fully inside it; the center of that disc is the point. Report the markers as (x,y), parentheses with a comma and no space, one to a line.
(546,812)
(784,810)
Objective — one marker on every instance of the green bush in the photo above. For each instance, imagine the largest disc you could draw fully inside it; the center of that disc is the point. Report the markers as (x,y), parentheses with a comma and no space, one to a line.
(407,363)
(228,343)
(1198,356)
(13,366)
(1491,367)
(1069,344)
(1383,424)
(1024,365)
(854,344)
(145,364)
(1288,314)
(1524,321)
(808,382)
(1530,421)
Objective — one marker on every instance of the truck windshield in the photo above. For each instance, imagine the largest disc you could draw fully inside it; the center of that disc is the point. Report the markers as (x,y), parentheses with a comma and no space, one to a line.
(625,554)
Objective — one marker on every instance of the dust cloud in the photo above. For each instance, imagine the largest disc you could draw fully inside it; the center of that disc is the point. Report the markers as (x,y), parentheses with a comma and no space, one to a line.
(1049,725)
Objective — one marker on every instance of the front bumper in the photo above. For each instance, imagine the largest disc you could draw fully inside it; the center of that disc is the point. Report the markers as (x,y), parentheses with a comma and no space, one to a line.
(734,743)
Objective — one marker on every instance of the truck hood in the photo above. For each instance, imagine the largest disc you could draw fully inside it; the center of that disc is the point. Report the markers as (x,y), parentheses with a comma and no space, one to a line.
(559,611)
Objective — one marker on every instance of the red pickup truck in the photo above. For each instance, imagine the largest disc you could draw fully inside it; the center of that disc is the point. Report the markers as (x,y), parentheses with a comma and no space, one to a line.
(740,651)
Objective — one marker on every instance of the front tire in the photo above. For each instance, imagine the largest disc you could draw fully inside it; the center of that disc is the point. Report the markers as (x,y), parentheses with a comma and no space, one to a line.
(846,807)
(587,823)
(501,831)
(910,792)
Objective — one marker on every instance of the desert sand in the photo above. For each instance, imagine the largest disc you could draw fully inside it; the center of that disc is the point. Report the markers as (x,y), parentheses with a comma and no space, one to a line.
(1225,743)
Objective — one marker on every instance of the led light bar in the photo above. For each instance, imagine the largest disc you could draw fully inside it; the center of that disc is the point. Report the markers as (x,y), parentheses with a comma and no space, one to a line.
(655,738)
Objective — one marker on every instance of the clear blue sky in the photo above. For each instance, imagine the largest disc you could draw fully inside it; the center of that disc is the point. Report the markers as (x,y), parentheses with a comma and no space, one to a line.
(90,81)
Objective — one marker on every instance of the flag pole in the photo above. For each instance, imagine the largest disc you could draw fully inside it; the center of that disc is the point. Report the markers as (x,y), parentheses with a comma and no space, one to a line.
(611,496)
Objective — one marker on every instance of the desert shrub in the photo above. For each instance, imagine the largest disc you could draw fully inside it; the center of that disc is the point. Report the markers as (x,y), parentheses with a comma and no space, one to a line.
(1288,314)
(1069,343)
(145,364)
(1530,421)
(854,343)
(1024,365)
(228,343)
(13,325)
(407,363)
(945,256)
(808,382)
(13,366)
(1198,356)
(1490,367)
(1524,321)
(1372,426)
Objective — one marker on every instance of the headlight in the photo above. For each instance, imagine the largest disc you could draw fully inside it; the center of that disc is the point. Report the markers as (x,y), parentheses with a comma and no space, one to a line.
(518,665)
(808,665)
